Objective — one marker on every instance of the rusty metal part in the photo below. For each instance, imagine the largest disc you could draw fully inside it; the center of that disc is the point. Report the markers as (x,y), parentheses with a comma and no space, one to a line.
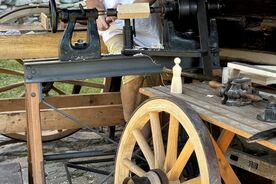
(269,114)
(237,91)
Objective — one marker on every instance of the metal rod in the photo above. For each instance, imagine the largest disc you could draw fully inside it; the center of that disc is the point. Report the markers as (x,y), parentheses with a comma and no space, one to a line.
(71,155)
(89,169)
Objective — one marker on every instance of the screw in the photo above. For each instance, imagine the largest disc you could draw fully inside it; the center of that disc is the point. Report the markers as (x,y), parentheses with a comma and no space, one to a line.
(33,94)
(29,77)
(33,71)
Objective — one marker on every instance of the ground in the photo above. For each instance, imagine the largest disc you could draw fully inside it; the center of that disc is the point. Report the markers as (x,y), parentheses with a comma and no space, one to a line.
(83,140)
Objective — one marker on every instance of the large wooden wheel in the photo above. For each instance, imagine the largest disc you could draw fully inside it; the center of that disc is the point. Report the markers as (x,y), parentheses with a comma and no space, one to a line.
(13,72)
(172,162)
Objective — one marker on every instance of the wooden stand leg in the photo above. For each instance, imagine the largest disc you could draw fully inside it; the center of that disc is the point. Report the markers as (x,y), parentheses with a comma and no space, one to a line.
(226,171)
(34,140)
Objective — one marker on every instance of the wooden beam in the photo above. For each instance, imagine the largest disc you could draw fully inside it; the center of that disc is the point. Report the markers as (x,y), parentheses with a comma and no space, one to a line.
(43,45)
(34,139)
(96,99)
(249,56)
(94,116)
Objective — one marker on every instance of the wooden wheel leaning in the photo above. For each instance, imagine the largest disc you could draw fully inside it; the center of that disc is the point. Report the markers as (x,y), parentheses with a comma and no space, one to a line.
(102,86)
(171,162)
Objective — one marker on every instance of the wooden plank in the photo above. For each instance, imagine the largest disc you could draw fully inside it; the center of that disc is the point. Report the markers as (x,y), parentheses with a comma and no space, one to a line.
(44,45)
(252,69)
(94,116)
(62,101)
(11,174)
(222,111)
(34,139)
(247,55)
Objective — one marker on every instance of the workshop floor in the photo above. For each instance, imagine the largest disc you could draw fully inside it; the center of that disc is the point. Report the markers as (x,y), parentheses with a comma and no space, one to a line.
(83,140)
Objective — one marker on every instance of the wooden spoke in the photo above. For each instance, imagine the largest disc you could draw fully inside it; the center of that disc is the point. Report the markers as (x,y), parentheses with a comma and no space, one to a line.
(144,147)
(11,72)
(22,94)
(60,92)
(20,61)
(11,86)
(171,154)
(159,152)
(84,83)
(196,180)
(134,168)
(181,161)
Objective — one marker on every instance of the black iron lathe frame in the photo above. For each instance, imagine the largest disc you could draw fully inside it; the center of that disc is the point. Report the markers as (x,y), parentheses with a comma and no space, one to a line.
(85,63)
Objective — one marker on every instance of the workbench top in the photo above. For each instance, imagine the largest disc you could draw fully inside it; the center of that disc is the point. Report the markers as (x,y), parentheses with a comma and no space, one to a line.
(239,120)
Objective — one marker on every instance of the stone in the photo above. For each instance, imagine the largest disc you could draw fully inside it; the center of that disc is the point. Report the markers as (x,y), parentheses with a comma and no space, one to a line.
(22,2)
(3,7)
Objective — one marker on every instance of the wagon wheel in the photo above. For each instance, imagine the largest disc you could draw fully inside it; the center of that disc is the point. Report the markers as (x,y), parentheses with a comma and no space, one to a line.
(102,86)
(166,166)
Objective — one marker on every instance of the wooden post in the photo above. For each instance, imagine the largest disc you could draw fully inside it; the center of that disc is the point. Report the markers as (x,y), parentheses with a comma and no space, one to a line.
(34,140)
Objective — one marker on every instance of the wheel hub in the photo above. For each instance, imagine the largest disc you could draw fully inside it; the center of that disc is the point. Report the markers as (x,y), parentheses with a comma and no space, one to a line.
(155,176)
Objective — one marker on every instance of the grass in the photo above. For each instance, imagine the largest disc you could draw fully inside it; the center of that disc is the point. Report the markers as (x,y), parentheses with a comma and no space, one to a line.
(6,79)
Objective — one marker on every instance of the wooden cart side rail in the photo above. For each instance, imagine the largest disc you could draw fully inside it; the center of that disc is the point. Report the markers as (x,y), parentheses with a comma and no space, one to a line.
(94,116)
(17,104)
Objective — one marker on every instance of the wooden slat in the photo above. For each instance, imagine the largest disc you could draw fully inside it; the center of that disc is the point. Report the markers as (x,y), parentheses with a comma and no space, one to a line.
(222,111)
(94,116)
(44,45)
(18,104)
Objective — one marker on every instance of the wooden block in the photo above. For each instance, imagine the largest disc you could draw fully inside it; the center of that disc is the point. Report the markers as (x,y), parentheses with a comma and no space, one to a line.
(133,11)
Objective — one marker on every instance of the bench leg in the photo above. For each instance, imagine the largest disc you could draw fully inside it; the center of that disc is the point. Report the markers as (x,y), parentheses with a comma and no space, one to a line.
(221,146)
(34,139)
